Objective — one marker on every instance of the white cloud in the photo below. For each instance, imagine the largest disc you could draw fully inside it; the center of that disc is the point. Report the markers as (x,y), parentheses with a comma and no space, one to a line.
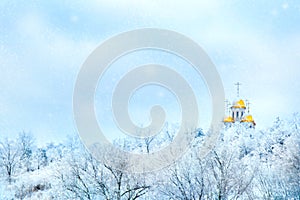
(285,6)
(156,9)
(38,68)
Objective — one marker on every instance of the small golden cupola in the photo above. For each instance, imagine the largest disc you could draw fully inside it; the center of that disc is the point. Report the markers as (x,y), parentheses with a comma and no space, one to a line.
(228,119)
(248,118)
(237,112)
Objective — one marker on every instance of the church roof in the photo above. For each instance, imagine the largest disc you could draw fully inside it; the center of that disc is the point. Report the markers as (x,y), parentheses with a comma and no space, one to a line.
(248,118)
(237,113)
(239,104)
(228,119)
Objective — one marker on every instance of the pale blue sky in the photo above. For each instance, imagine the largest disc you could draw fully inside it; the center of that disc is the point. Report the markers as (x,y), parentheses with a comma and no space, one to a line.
(44,43)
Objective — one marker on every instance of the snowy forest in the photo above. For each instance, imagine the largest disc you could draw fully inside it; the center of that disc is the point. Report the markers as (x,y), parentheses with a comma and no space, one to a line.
(245,164)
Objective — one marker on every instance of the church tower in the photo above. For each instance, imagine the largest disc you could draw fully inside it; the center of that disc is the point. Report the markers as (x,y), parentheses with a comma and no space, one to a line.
(237,112)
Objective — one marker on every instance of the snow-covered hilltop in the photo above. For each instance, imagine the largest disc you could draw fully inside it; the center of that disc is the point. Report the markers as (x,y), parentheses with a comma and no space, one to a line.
(245,164)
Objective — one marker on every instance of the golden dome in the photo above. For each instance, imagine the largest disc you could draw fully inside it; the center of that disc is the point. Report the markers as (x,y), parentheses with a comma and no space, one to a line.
(228,119)
(239,104)
(248,118)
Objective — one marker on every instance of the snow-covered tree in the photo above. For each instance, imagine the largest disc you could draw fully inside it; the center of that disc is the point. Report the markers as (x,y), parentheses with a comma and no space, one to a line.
(244,164)
(86,178)
(10,157)
(26,141)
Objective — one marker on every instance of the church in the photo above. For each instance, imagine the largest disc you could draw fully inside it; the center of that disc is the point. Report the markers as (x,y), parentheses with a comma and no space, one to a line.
(238,112)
